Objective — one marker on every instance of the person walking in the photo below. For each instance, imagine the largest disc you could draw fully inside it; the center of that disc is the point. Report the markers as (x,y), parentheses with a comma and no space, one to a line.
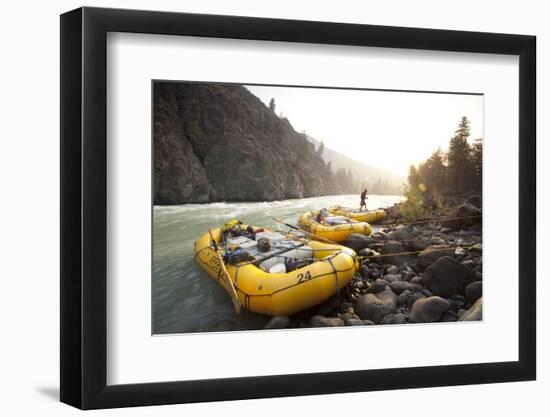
(363,200)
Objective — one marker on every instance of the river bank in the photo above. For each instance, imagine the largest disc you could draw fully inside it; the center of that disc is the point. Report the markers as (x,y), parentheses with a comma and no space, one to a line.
(427,270)
(185,299)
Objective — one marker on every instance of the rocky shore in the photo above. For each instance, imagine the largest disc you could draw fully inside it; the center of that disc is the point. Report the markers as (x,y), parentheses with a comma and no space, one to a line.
(427,270)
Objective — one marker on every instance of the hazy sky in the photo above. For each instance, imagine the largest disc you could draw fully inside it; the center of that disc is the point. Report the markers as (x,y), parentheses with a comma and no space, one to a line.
(386,129)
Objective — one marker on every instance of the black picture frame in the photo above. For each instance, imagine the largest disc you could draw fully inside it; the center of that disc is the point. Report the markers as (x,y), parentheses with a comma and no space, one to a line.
(84,207)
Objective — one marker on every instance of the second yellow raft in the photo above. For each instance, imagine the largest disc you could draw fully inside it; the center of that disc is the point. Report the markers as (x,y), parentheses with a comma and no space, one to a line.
(369,216)
(336,232)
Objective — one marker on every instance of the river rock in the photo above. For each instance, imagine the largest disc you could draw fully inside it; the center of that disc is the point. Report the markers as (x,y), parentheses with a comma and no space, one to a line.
(278,322)
(402,298)
(413,297)
(321,321)
(401,235)
(399,286)
(430,309)
(392,270)
(446,277)
(392,278)
(465,215)
(474,200)
(375,306)
(473,291)
(378,286)
(474,312)
(355,322)
(378,236)
(357,242)
(398,318)
(432,253)
(418,244)
(391,247)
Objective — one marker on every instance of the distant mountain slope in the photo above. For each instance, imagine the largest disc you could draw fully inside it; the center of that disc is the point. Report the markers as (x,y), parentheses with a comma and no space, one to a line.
(378,181)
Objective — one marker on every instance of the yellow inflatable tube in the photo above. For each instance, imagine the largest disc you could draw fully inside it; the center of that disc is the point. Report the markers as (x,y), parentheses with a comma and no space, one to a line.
(369,216)
(282,294)
(336,233)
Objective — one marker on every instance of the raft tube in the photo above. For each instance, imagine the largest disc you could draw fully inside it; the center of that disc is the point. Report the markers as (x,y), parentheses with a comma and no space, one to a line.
(281,294)
(369,216)
(335,233)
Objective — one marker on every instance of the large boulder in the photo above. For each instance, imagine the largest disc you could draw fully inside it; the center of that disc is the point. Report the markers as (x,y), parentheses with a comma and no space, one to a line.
(474,312)
(393,247)
(474,200)
(375,306)
(447,277)
(432,253)
(473,291)
(466,215)
(322,321)
(428,310)
(357,242)
(401,235)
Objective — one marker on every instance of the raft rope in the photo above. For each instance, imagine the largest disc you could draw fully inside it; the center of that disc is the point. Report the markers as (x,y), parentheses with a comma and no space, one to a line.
(431,220)
(417,251)
(335,271)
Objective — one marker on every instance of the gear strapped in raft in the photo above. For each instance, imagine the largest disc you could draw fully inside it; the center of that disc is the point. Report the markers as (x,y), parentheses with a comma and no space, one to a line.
(294,274)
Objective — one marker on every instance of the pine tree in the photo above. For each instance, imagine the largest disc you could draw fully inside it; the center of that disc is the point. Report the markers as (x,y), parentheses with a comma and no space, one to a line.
(477,163)
(321,148)
(413,178)
(459,157)
(272,105)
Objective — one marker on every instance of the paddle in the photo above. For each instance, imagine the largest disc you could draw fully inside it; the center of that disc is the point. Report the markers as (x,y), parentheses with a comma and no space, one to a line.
(307,233)
(230,287)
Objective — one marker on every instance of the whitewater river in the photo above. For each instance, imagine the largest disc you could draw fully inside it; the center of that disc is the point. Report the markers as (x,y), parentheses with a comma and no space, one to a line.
(185,298)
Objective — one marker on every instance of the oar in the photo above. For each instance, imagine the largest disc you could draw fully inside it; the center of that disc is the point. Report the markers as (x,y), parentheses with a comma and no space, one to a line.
(230,287)
(306,232)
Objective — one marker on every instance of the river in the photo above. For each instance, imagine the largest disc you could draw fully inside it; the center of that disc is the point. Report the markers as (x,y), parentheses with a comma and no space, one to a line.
(185,298)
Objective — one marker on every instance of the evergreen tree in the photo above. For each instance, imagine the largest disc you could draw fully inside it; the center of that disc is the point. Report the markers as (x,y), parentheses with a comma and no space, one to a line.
(477,164)
(414,178)
(321,148)
(272,105)
(458,157)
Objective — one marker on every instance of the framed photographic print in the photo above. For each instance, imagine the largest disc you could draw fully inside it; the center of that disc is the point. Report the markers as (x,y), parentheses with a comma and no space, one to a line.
(256,208)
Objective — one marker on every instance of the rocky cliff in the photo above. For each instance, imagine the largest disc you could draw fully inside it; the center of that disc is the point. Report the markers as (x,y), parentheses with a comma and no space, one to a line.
(218,142)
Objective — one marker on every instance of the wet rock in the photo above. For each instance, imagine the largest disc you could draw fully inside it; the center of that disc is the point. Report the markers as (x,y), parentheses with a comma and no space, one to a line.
(399,286)
(357,242)
(364,271)
(474,312)
(321,321)
(394,319)
(378,286)
(457,302)
(428,310)
(473,291)
(278,322)
(394,247)
(432,253)
(375,306)
(446,277)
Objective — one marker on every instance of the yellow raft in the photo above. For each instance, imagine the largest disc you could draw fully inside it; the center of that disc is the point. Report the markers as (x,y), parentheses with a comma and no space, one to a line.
(369,216)
(278,294)
(335,232)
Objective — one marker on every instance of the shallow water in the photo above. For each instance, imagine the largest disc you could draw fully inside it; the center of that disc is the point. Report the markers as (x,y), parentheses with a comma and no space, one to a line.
(185,298)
